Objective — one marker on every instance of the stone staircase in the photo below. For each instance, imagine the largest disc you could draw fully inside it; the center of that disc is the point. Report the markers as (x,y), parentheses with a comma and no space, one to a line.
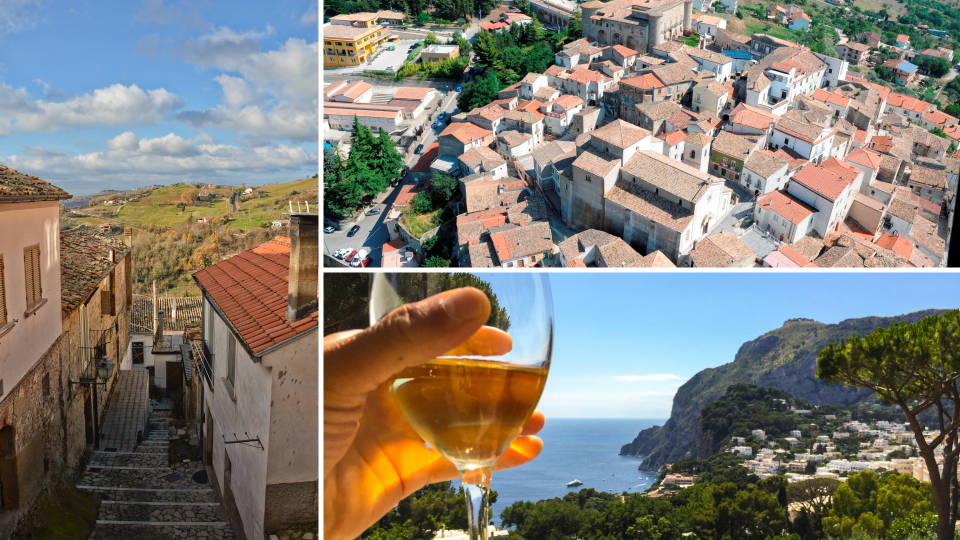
(150,494)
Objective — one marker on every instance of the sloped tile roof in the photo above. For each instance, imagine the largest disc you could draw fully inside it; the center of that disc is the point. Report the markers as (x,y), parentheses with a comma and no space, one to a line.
(671,175)
(84,263)
(251,290)
(786,205)
(720,251)
(179,313)
(18,185)
(650,206)
(808,246)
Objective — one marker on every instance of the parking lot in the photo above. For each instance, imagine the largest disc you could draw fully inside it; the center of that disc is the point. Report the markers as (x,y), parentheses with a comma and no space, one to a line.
(385,59)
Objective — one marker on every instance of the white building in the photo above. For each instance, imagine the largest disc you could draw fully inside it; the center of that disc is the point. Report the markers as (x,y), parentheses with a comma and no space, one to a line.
(260,332)
(795,433)
(742,451)
(831,195)
(811,140)
(759,433)
(785,216)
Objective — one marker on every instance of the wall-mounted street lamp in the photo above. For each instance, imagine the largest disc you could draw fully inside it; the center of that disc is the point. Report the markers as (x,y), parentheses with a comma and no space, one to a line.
(104,371)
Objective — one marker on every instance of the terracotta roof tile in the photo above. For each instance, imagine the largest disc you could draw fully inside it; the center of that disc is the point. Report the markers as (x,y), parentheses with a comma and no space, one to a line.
(786,205)
(23,186)
(251,290)
(720,251)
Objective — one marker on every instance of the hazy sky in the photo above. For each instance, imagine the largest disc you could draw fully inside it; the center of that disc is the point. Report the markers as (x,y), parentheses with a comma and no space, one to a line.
(626,342)
(116,94)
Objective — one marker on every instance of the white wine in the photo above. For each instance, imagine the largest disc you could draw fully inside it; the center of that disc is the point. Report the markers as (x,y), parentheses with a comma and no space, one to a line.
(469,410)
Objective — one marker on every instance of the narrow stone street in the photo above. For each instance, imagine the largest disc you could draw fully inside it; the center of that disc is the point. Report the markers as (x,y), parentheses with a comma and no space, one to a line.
(155,492)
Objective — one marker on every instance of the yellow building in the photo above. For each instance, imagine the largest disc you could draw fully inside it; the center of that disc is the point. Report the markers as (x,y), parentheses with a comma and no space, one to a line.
(349,40)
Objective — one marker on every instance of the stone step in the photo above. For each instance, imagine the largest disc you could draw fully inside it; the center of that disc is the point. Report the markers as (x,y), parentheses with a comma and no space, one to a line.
(168,495)
(131,459)
(161,531)
(166,478)
(161,512)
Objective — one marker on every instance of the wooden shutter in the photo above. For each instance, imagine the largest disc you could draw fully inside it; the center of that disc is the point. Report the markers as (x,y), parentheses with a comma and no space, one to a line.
(31,267)
(3,297)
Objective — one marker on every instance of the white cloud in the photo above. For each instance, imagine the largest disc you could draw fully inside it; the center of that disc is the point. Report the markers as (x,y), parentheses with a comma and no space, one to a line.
(166,155)
(114,105)
(275,95)
(237,92)
(18,15)
(312,14)
(223,48)
(658,377)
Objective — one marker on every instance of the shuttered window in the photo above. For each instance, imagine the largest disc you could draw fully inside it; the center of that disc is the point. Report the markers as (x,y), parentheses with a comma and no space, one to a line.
(3,297)
(31,265)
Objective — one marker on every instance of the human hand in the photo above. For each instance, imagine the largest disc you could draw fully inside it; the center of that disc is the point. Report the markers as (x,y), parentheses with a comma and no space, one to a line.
(372,458)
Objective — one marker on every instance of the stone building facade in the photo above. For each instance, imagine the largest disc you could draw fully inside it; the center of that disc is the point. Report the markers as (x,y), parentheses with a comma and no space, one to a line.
(640,26)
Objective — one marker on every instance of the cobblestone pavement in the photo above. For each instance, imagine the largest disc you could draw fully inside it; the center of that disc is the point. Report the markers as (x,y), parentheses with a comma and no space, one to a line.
(149,493)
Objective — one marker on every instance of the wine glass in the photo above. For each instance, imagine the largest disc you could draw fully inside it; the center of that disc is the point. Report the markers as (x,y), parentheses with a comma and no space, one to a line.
(467,405)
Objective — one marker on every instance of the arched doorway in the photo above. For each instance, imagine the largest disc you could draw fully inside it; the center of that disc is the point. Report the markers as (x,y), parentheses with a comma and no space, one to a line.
(617,40)
(631,43)
(602,37)
(726,117)
(781,238)
(756,193)
(9,488)
(706,223)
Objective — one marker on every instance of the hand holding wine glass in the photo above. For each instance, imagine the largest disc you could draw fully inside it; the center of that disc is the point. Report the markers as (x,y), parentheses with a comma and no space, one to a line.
(372,457)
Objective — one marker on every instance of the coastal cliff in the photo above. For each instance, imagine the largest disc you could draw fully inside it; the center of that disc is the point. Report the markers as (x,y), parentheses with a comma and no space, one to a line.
(784,358)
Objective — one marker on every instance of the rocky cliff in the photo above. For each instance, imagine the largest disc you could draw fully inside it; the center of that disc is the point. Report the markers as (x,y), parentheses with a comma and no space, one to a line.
(784,358)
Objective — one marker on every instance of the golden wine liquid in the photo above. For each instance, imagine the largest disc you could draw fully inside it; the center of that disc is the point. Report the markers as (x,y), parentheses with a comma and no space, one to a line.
(468,410)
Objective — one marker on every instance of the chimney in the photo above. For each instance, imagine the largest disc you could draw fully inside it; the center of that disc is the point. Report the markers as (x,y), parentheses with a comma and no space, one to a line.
(304,265)
(128,236)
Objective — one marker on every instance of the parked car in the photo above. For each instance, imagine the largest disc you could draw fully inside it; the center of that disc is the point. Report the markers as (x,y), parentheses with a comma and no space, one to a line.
(419,149)
(366,261)
(353,230)
(373,212)
(459,88)
(357,260)
(435,125)
(391,48)
(328,229)
(441,116)
(350,256)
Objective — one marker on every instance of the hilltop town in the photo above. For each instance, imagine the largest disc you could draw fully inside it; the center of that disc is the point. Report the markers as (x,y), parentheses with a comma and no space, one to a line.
(655,136)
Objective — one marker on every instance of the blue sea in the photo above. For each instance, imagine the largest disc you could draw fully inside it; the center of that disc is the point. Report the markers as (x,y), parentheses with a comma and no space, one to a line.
(576,448)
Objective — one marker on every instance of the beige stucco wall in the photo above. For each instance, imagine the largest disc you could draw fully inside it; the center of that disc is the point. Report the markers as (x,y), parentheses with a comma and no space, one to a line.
(22,225)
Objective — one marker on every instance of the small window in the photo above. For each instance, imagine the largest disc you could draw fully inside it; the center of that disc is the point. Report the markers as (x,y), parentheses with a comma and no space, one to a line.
(45,385)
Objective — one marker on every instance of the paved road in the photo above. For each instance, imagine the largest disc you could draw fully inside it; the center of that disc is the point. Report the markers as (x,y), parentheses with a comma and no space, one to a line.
(371,236)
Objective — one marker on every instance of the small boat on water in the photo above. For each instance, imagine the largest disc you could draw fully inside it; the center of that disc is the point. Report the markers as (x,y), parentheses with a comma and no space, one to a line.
(575,483)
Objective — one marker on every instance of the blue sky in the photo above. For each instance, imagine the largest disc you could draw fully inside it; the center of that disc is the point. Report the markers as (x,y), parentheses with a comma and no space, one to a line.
(625,342)
(99,94)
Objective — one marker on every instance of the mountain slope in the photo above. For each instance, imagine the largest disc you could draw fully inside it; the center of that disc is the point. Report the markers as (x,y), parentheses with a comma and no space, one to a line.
(784,358)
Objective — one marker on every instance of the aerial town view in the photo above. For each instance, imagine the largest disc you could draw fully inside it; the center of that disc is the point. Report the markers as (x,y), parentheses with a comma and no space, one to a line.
(629,133)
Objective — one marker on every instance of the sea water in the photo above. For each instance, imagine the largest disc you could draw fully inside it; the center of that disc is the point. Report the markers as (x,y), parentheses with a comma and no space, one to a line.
(575,448)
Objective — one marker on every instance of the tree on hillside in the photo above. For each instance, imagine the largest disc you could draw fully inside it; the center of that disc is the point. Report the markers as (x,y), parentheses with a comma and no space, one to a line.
(479,92)
(485,50)
(190,196)
(916,367)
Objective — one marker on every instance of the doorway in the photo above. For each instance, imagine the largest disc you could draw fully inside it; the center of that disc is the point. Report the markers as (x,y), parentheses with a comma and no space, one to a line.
(9,490)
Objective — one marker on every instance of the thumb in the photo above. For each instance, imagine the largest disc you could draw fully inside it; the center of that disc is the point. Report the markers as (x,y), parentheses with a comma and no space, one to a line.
(413,334)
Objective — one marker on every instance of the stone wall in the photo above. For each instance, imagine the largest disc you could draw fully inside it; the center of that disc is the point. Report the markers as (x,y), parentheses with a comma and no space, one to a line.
(293,503)
(45,422)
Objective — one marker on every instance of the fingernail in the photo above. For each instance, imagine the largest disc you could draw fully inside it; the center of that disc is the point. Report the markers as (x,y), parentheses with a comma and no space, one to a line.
(462,305)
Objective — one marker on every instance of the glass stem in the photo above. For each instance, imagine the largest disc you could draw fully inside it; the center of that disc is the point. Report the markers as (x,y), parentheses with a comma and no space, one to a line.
(476,485)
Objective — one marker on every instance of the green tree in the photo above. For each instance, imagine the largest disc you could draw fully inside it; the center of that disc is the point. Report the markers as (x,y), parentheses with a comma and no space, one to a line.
(461,42)
(811,468)
(331,162)
(421,203)
(432,39)
(444,189)
(423,18)
(523,6)
(485,50)
(915,366)
(436,262)
(386,159)
(914,527)
(479,92)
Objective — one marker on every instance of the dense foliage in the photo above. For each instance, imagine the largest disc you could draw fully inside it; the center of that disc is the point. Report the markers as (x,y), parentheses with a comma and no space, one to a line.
(505,58)
(372,164)
(421,515)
